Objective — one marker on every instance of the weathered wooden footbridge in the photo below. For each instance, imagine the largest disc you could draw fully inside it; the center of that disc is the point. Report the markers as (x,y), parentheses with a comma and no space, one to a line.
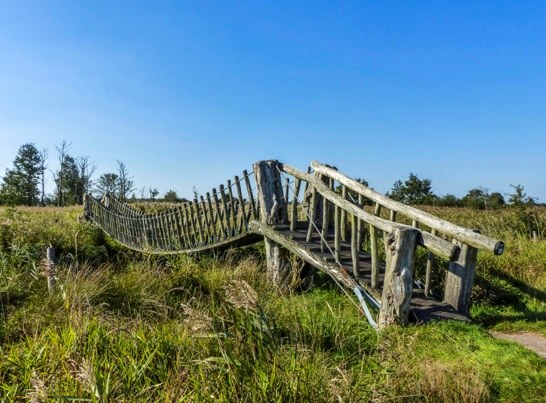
(330,221)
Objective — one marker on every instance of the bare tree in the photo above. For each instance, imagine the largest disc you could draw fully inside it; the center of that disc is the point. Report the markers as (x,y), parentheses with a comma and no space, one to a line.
(125,183)
(86,170)
(43,167)
(62,152)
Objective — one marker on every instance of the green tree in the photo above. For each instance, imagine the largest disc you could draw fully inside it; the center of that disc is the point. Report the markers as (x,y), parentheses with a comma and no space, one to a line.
(153,193)
(107,183)
(171,196)
(519,197)
(67,181)
(476,198)
(20,184)
(495,200)
(449,200)
(413,191)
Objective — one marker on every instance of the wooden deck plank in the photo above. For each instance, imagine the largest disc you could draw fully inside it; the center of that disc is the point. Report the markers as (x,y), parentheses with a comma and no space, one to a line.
(422,309)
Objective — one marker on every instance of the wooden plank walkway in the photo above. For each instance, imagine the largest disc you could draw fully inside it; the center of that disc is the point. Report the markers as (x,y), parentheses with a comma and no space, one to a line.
(422,309)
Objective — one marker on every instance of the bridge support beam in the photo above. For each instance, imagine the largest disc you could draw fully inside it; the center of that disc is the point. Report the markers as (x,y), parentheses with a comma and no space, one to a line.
(460,278)
(273,211)
(398,282)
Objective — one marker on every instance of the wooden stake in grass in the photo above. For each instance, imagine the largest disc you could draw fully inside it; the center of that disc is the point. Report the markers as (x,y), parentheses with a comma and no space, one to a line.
(51,269)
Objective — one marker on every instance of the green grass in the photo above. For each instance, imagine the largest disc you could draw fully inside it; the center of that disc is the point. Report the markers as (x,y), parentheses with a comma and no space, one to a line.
(123,327)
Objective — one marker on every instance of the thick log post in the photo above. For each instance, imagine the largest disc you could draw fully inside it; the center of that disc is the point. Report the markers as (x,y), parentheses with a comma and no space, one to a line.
(398,283)
(273,211)
(460,278)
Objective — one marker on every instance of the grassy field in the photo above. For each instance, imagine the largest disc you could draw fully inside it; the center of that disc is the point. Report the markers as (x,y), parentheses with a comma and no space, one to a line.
(126,327)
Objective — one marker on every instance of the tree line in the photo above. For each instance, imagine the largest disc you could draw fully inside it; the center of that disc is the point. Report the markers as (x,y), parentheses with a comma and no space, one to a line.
(25,182)
(417,191)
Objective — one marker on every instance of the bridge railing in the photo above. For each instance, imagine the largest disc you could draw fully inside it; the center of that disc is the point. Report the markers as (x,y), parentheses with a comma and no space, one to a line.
(218,218)
(461,269)
(334,206)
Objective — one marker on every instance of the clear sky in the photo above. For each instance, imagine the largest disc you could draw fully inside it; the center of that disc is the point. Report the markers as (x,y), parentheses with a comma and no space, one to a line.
(189,93)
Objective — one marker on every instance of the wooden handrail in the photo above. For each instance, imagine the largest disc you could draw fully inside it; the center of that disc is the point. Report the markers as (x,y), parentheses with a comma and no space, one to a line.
(459,233)
(433,243)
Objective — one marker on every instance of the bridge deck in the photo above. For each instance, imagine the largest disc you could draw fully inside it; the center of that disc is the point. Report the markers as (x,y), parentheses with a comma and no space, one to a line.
(422,309)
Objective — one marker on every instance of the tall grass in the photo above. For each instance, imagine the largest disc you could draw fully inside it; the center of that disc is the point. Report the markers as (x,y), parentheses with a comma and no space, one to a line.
(124,327)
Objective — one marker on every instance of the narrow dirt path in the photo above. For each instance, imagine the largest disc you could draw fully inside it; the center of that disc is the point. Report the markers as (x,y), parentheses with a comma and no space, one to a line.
(532,341)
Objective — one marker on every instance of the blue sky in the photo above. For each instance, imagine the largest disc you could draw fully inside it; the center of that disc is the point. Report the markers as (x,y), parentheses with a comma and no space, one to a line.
(190,93)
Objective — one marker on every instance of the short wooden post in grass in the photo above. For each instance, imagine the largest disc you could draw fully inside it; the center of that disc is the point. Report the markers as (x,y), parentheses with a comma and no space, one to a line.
(273,211)
(51,269)
(398,283)
(460,278)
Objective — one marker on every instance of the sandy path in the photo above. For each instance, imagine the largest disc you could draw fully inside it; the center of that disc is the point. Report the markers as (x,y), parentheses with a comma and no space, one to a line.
(532,341)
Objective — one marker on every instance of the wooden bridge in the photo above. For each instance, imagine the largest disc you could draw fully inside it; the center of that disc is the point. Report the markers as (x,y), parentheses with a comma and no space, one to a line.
(332,222)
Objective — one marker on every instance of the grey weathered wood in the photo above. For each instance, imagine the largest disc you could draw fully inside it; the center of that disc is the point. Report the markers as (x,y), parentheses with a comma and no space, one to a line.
(337,232)
(232,207)
(286,190)
(392,215)
(244,223)
(311,213)
(398,281)
(206,221)
(325,216)
(373,250)
(359,224)
(439,246)
(294,210)
(343,216)
(460,278)
(462,234)
(197,214)
(178,228)
(273,210)
(355,246)
(212,217)
(253,207)
(226,213)
(219,215)
(430,263)
(332,269)
(192,232)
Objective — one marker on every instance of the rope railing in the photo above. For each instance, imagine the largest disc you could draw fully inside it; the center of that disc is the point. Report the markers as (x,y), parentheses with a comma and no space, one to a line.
(214,220)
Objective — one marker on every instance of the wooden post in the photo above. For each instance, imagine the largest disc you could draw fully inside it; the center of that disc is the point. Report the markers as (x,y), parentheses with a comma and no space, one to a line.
(460,278)
(253,207)
(51,269)
(294,211)
(398,283)
(343,217)
(244,222)
(373,250)
(273,210)
(430,264)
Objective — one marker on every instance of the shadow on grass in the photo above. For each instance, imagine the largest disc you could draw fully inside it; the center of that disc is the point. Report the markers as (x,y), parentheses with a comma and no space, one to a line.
(500,297)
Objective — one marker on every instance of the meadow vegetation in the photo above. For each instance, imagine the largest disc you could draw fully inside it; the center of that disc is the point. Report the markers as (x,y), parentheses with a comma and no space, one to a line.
(128,327)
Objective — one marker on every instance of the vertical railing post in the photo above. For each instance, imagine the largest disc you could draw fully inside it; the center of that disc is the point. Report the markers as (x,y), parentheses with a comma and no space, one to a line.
(398,282)
(273,210)
(460,278)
